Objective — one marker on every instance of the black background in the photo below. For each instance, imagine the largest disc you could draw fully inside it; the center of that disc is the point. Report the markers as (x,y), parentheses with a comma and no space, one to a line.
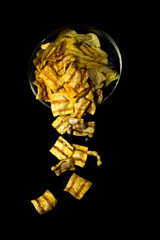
(110,204)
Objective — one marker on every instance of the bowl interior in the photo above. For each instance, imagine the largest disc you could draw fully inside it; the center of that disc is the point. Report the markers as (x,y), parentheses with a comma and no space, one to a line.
(107,44)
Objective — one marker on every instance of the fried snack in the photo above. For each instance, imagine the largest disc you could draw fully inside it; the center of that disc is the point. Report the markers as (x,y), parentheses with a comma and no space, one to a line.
(77,186)
(60,105)
(71,72)
(95,154)
(63,166)
(44,203)
(84,129)
(65,124)
(70,156)
(79,155)
(62,149)
(62,125)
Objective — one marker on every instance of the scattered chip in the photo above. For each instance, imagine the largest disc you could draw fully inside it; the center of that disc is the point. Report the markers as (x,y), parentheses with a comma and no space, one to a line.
(77,186)
(95,154)
(44,203)
(62,149)
(79,155)
(61,124)
(63,166)
(65,124)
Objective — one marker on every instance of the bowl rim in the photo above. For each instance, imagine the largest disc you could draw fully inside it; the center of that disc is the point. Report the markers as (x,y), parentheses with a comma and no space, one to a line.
(73,26)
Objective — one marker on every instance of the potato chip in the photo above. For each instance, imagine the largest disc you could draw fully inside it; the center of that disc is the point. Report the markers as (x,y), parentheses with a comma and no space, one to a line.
(95,154)
(63,166)
(50,78)
(77,186)
(60,105)
(80,107)
(85,129)
(79,155)
(61,124)
(93,41)
(45,203)
(65,124)
(62,149)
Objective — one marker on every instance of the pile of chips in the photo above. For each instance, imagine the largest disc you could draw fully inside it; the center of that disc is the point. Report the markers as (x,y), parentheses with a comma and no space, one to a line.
(70,74)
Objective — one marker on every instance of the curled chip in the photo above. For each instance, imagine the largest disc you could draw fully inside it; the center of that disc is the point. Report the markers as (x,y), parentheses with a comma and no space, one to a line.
(77,186)
(95,154)
(63,166)
(62,149)
(44,203)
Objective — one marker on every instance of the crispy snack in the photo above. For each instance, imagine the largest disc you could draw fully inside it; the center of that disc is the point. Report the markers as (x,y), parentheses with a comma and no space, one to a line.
(79,155)
(95,154)
(60,105)
(62,125)
(77,186)
(71,72)
(63,166)
(65,124)
(70,156)
(44,203)
(62,149)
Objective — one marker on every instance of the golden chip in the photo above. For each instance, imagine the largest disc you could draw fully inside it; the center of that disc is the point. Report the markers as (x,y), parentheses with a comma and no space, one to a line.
(63,166)
(95,154)
(60,105)
(44,203)
(49,75)
(77,186)
(79,155)
(61,124)
(85,129)
(80,107)
(65,124)
(62,149)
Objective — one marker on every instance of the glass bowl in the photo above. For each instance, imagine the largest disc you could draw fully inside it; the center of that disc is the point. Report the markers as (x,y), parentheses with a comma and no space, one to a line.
(107,44)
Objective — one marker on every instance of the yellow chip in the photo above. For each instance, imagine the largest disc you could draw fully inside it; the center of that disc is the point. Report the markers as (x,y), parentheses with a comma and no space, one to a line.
(44,203)
(60,105)
(62,149)
(49,75)
(61,124)
(80,106)
(95,154)
(77,186)
(79,155)
(63,166)
(60,66)
(85,129)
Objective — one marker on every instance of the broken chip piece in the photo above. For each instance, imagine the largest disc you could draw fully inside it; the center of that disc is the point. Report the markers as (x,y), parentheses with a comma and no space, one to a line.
(63,166)
(95,154)
(84,129)
(65,124)
(77,186)
(44,203)
(62,149)
(79,155)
